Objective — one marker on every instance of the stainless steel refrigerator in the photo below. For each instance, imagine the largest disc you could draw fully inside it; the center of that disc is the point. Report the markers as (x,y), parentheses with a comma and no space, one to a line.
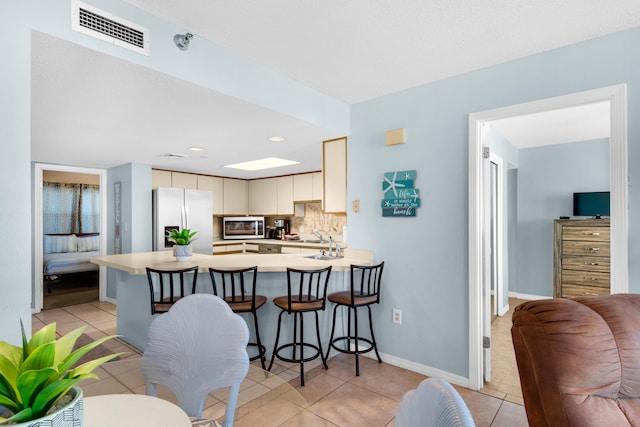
(177,208)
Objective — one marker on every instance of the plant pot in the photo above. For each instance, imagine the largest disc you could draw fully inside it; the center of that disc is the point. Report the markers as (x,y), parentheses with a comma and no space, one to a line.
(182,252)
(70,415)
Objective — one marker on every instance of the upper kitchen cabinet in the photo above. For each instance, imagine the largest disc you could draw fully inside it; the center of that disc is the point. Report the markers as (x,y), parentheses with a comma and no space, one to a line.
(307,187)
(160,178)
(271,196)
(263,196)
(235,196)
(316,177)
(334,174)
(188,181)
(285,195)
(170,179)
(216,186)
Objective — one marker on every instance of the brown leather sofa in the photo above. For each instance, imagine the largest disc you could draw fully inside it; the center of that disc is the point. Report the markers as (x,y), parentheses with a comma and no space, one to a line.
(579,360)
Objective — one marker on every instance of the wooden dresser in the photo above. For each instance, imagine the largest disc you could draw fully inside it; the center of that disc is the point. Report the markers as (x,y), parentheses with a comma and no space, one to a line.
(581,257)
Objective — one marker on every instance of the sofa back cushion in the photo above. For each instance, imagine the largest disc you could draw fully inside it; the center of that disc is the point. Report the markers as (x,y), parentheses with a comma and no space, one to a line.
(579,360)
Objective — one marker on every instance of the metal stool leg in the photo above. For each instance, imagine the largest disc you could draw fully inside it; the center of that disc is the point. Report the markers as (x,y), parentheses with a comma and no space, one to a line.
(275,346)
(373,337)
(261,349)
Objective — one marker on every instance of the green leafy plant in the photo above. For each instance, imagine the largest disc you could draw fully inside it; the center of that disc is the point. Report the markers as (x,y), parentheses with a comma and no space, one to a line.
(181,237)
(33,378)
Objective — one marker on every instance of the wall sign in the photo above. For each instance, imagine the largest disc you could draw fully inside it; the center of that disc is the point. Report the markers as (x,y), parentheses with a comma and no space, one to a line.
(400,198)
(117,244)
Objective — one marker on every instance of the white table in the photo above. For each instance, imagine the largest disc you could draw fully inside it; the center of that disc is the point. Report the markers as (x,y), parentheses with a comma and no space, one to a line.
(132,410)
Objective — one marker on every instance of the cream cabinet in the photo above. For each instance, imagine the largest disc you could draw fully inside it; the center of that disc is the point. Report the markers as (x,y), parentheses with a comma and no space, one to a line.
(160,178)
(334,175)
(285,195)
(271,196)
(184,180)
(171,179)
(307,187)
(263,196)
(216,186)
(303,187)
(316,193)
(235,196)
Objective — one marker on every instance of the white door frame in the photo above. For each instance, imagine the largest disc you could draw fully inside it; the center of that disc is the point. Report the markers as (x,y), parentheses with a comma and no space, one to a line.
(38,234)
(498,247)
(617,96)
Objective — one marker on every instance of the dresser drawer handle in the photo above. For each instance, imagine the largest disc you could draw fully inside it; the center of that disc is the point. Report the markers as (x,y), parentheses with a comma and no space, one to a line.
(592,249)
(591,263)
(593,279)
(591,293)
(593,234)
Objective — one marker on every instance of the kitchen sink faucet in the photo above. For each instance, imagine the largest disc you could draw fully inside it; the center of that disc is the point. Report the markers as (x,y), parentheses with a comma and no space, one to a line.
(318,233)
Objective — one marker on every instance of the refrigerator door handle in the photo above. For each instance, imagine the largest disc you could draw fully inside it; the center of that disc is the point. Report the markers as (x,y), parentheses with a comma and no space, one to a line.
(185,219)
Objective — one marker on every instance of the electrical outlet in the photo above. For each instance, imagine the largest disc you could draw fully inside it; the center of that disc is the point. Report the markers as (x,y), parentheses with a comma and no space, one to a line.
(397,316)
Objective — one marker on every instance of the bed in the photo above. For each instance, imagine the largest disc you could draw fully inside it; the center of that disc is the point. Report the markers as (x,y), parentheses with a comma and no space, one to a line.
(66,254)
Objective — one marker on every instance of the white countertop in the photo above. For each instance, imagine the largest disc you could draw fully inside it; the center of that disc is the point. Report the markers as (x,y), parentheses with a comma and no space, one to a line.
(136,263)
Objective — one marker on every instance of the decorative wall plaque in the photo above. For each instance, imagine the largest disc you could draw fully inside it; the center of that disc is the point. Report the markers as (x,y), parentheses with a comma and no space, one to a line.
(400,198)
(117,244)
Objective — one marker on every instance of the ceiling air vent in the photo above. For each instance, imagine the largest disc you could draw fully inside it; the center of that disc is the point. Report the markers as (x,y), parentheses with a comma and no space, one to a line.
(173,156)
(104,26)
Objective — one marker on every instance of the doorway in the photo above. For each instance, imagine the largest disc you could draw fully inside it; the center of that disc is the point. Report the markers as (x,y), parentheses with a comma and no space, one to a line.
(478,259)
(65,278)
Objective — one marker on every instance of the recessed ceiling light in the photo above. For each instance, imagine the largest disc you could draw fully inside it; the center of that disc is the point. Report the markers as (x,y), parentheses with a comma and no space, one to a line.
(276,138)
(268,163)
(196,148)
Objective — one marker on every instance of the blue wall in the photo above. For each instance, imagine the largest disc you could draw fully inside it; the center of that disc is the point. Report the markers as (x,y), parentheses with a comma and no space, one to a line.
(547,178)
(136,208)
(427,257)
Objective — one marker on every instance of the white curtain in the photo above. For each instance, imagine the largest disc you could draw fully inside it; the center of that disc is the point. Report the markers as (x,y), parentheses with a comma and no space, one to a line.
(70,208)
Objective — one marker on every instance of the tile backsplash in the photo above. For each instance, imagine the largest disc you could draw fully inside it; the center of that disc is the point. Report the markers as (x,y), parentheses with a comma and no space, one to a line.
(314,218)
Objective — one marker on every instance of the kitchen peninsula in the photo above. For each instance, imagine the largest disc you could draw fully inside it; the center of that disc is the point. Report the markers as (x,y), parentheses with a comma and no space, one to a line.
(133,310)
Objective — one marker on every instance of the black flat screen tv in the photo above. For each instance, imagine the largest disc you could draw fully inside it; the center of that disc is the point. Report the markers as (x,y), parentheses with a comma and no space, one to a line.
(594,204)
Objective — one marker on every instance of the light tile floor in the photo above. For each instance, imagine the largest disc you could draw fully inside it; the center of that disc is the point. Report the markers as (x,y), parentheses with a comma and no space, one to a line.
(335,397)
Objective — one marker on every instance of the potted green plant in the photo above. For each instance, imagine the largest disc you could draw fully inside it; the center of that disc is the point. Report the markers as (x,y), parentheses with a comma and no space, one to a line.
(38,380)
(182,239)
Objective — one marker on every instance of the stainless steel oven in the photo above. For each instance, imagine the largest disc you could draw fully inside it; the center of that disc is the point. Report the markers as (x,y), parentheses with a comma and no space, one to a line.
(243,227)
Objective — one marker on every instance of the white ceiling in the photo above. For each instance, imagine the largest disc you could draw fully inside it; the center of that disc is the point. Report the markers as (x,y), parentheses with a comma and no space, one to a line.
(353,51)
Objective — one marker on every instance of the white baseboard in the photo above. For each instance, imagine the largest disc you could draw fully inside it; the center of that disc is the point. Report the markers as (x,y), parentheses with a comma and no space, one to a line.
(526,296)
(419,368)
(111,300)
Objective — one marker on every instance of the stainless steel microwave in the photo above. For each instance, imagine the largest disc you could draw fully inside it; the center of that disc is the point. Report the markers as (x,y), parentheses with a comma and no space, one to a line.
(243,227)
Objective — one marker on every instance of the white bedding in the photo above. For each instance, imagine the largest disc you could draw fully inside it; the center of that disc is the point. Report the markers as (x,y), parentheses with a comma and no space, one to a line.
(69,262)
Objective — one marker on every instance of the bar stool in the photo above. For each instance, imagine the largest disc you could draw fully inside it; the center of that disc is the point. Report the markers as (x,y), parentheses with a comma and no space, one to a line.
(238,288)
(159,280)
(364,291)
(306,292)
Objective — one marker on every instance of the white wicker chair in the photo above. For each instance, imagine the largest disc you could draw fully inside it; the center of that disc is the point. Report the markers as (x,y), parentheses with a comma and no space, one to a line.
(197,347)
(435,403)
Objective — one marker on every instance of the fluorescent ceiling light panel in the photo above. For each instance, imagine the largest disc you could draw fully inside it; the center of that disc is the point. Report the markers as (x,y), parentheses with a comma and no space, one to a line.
(268,163)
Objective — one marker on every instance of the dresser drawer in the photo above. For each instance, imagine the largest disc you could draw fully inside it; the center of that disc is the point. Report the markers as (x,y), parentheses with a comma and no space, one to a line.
(584,248)
(587,278)
(587,233)
(587,263)
(569,291)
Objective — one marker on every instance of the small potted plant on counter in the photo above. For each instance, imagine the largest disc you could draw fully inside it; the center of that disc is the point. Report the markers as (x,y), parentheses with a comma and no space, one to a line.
(38,381)
(182,239)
